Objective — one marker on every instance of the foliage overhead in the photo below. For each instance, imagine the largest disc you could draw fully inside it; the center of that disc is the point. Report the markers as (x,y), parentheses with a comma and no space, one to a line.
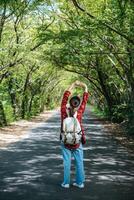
(47,44)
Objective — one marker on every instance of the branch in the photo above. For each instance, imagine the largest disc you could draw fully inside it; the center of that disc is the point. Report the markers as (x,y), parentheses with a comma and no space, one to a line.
(40,43)
(2,21)
(103,23)
(87,77)
(6,74)
(80,8)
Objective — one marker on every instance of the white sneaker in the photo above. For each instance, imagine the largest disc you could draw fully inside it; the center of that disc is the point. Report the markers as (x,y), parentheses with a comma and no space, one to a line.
(78,185)
(65,185)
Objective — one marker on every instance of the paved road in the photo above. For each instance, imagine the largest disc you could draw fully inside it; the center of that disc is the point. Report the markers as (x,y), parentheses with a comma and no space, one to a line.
(32,168)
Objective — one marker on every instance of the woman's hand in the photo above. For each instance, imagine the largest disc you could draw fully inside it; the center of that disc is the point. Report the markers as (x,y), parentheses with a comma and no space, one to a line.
(78,84)
(81,84)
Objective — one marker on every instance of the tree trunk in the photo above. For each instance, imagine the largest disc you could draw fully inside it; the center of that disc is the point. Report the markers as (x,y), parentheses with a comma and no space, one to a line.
(2,21)
(24,100)
(30,104)
(12,96)
(3,121)
(101,78)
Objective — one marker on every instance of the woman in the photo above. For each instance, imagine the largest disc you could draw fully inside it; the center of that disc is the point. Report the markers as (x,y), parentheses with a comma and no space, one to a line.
(74,150)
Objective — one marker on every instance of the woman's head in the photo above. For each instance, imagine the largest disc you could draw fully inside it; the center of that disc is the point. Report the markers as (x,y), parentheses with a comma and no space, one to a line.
(74,102)
(73,105)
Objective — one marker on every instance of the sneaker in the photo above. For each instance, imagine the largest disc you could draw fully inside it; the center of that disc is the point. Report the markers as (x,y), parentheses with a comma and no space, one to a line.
(78,185)
(65,185)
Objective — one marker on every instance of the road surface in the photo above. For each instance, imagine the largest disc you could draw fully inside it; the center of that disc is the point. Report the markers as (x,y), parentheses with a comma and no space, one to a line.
(32,169)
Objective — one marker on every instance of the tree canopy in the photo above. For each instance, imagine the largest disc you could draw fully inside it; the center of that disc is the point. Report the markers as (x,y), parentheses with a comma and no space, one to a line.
(47,44)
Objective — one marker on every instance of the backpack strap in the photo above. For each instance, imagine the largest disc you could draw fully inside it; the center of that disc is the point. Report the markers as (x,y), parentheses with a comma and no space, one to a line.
(75,116)
(74,125)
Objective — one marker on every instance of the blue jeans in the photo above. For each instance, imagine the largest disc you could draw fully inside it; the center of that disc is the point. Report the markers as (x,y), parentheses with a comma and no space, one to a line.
(78,156)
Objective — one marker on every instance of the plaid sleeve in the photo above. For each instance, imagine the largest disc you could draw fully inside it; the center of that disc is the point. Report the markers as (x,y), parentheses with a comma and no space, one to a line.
(84,102)
(63,106)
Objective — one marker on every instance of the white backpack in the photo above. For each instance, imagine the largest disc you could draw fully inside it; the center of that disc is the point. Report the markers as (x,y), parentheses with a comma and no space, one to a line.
(71,131)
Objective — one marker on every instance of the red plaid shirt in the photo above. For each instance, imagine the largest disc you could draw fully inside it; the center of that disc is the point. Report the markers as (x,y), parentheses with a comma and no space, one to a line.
(80,112)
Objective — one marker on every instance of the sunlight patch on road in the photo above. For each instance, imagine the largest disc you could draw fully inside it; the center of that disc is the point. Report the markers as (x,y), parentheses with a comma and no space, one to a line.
(107,160)
(94,148)
(47,157)
(93,125)
(113,177)
(19,130)
(6,139)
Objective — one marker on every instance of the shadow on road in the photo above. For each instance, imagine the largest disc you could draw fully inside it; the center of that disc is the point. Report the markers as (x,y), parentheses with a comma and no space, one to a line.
(32,168)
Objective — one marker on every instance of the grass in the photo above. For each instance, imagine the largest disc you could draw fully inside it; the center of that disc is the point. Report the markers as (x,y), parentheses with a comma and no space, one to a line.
(98,112)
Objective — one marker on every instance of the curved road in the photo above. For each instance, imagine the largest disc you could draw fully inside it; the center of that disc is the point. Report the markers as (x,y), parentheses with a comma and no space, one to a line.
(32,169)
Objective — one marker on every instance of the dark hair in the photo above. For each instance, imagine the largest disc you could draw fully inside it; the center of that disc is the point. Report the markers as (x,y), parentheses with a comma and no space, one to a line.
(71,112)
(74,101)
